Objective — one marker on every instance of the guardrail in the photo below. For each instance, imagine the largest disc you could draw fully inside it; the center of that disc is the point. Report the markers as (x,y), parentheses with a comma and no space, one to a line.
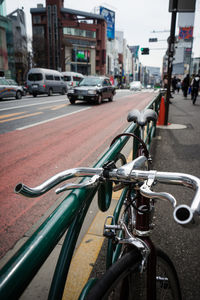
(68,216)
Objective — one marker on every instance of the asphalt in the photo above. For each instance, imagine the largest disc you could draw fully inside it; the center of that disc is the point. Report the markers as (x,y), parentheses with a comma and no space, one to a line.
(176,148)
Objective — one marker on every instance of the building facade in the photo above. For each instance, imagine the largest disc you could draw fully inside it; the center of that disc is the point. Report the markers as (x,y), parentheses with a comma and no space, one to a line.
(17,18)
(72,40)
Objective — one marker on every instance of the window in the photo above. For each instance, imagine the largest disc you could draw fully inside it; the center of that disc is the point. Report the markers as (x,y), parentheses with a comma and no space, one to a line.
(35,77)
(67,78)
(57,78)
(3,81)
(36,19)
(38,30)
(79,32)
(75,78)
(49,77)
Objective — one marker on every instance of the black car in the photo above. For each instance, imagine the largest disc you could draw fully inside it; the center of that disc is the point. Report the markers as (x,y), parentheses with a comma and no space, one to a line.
(92,89)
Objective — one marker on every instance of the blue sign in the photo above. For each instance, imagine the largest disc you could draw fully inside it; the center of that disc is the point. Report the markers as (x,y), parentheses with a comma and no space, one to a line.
(109,16)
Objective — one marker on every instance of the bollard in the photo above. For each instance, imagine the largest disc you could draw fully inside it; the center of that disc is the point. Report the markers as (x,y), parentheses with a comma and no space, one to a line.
(161,116)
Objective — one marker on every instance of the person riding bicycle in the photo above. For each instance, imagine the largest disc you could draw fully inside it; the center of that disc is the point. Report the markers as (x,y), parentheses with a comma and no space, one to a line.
(195,88)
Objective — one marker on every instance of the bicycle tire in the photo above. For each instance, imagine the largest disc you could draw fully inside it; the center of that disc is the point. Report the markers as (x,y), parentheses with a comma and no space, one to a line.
(124,281)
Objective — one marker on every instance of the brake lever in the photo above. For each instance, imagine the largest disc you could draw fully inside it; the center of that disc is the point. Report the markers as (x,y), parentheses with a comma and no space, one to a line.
(147,192)
(92,182)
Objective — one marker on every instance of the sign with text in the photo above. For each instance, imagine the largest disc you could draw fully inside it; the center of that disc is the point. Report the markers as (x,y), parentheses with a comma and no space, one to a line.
(109,16)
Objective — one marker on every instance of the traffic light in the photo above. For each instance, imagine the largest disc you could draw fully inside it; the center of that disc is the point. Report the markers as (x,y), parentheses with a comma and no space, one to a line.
(144,51)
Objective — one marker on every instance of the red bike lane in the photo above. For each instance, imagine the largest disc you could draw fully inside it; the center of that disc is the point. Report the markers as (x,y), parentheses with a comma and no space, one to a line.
(33,155)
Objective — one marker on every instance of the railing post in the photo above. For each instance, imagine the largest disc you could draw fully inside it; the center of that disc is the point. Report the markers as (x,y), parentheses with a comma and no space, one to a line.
(136,142)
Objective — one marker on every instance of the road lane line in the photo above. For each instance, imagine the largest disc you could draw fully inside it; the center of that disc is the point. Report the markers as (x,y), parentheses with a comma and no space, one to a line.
(21,117)
(49,120)
(33,104)
(59,106)
(11,115)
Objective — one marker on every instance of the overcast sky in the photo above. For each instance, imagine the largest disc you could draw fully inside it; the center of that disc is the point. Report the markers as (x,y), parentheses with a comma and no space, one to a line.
(136,18)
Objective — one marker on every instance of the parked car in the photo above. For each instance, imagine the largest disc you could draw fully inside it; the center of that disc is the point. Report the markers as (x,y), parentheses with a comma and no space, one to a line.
(92,89)
(135,86)
(45,81)
(9,88)
(72,78)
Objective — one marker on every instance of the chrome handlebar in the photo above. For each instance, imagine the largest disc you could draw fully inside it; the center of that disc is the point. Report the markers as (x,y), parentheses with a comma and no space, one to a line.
(129,173)
(55,180)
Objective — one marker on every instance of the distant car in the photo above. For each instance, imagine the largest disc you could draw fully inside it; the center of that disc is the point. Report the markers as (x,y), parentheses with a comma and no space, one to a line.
(45,81)
(135,86)
(72,78)
(92,89)
(9,88)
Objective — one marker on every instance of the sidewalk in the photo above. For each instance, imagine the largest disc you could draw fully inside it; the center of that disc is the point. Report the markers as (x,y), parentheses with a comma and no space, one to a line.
(176,148)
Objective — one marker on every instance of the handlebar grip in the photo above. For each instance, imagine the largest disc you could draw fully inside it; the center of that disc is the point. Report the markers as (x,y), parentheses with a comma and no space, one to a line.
(184,215)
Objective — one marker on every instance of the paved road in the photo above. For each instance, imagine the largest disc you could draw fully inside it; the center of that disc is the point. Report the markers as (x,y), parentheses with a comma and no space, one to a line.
(36,147)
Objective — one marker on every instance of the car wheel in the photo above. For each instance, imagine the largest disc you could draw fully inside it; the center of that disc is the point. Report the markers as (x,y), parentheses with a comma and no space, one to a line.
(34,95)
(110,98)
(72,101)
(99,100)
(18,95)
(50,93)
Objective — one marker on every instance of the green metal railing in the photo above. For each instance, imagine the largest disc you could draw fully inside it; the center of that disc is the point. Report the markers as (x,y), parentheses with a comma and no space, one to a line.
(68,216)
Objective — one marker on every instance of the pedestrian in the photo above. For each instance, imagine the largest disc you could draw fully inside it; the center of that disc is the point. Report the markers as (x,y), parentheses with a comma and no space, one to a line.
(174,83)
(178,85)
(185,85)
(195,88)
(165,83)
(191,89)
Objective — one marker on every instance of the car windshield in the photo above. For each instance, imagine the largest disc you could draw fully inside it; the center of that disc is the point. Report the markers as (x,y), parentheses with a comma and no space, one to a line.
(3,81)
(90,81)
(12,82)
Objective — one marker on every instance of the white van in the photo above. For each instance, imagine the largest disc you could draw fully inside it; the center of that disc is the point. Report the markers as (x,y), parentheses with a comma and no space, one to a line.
(72,78)
(45,81)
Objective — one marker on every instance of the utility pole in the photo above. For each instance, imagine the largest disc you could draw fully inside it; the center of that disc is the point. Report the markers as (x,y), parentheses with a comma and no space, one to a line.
(174,7)
(171,42)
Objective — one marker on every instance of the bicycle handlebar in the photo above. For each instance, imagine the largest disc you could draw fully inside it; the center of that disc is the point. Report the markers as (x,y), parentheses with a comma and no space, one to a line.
(128,173)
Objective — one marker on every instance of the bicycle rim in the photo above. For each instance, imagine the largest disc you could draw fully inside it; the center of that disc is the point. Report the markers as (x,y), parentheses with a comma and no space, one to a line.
(123,281)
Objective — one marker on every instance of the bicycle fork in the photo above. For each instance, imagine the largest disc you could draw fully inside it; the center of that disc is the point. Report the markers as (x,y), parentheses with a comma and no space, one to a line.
(139,239)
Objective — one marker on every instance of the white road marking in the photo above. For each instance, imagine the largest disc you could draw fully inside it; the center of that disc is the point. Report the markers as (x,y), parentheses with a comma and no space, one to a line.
(49,120)
(33,104)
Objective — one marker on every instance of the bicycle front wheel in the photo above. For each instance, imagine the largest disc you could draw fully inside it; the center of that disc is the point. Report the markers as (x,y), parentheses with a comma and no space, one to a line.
(123,280)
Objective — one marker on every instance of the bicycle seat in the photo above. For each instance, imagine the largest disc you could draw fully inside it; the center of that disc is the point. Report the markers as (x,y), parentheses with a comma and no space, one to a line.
(141,118)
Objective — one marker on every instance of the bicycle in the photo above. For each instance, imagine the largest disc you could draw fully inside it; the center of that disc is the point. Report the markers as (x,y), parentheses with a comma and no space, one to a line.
(136,266)
(142,258)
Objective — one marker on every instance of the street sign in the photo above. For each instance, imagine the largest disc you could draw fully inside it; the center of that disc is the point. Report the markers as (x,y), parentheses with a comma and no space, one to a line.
(152,40)
(144,51)
(182,5)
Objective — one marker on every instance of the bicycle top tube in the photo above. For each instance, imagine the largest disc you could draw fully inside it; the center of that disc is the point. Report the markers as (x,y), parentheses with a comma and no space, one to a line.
(128,173)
